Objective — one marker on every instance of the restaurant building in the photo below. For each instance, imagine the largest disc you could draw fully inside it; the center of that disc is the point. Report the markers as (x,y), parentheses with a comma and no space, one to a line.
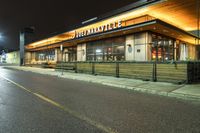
(146,31)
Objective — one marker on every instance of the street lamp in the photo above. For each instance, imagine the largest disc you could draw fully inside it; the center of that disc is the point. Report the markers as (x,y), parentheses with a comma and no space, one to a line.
(1,36)
(2,39)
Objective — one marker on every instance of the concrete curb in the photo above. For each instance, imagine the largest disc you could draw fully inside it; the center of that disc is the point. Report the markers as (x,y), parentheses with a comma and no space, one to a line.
(128,87)
(184,96)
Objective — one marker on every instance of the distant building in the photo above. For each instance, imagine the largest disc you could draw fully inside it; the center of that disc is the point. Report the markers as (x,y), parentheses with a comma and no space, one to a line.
(3,57)
(10,58)
(13,58)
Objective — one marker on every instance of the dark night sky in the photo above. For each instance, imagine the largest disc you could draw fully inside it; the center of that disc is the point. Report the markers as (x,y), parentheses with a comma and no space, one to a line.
(48,16)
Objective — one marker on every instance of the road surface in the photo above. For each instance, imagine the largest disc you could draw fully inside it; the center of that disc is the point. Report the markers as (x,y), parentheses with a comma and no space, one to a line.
(35,103)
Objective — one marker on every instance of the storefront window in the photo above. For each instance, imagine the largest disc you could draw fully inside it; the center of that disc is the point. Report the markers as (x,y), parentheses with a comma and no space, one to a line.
(45,55)
(106,50)
(162,48)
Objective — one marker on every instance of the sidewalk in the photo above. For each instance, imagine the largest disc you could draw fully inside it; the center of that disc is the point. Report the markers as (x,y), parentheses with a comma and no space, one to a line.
(187,92)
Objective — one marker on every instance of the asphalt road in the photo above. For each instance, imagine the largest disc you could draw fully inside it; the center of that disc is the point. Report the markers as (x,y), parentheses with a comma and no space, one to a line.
(34,103)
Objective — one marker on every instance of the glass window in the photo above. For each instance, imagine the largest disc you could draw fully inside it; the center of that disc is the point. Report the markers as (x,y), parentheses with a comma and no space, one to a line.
(112,49)
(47,55)
(163,47)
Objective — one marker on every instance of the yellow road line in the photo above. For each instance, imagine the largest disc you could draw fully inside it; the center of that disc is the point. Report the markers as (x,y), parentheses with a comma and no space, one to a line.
(64,108)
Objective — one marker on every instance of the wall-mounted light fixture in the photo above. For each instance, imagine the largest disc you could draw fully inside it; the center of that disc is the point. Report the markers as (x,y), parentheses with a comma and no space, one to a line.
(129,45)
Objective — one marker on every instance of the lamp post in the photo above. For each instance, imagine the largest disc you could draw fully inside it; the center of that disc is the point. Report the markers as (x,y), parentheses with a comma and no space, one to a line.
(61,49)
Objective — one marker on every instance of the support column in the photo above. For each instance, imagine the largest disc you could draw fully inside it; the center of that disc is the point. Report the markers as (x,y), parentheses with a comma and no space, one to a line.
(183,52)
(175,51)
(22,42)
(81,52)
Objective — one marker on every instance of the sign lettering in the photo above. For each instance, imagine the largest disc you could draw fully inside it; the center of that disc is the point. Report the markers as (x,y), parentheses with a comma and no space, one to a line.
(99,29)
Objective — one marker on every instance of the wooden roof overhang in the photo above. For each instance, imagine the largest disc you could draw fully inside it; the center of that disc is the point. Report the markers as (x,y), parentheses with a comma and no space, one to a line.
(156,26)
(182,14)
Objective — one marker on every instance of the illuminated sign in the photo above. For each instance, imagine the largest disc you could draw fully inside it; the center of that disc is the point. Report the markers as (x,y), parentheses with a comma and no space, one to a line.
(99,29)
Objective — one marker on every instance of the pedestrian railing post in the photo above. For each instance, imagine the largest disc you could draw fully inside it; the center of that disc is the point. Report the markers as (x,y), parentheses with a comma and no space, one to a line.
(62,68)
(188,72)
(154,72)
(93,68)
(198,71)
(75,66)
(117,69)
